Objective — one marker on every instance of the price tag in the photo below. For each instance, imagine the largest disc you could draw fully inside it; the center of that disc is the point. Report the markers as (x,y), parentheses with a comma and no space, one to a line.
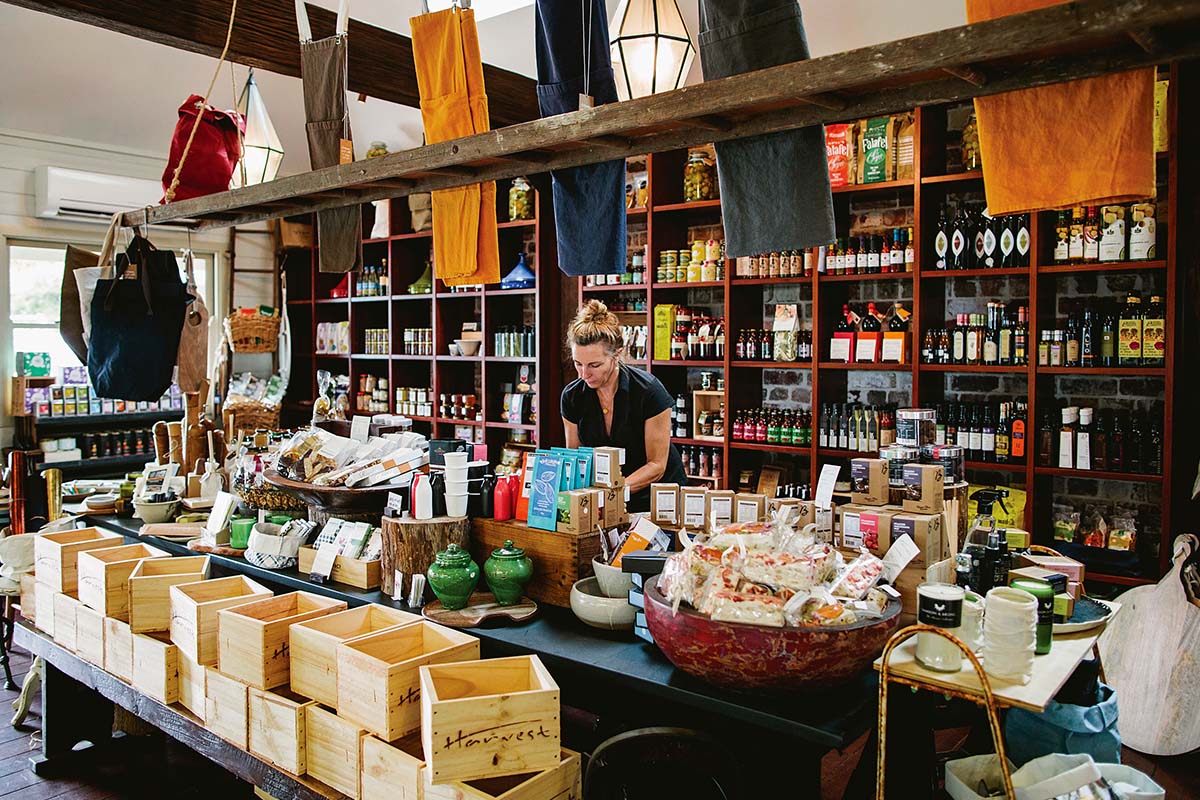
(395,502)
(865,349)
(360,428)
(398,585)
(829,476)
(345,151)
(322,565)
(839,350)
(902,551)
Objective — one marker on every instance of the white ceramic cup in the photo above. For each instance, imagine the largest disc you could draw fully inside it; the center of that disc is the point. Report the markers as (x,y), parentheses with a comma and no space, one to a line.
(456,505)
(454,350)
(457,459)
(456,487)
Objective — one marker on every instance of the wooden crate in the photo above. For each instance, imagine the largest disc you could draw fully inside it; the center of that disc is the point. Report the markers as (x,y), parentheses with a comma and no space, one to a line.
(89,634)
(559,559)
(118,649)
(314,643)
(65,630)
(193,686)
(226,707)
(486,719)
(150,589)
(43,596)
(333,747)
(396,771)
(156,667)
(104,576)
(378,683)
(56,555)
(29,597)
(253,639)
(350,571)
(194,608)
(278,729)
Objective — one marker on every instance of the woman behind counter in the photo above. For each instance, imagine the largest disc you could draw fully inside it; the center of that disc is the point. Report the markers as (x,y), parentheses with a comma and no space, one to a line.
(615,405)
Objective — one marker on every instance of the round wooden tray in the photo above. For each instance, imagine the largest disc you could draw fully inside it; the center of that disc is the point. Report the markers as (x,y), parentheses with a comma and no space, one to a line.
(331,496)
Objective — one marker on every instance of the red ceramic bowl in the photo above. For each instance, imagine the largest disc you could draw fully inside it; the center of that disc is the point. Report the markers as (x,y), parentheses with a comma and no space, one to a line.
(740,656)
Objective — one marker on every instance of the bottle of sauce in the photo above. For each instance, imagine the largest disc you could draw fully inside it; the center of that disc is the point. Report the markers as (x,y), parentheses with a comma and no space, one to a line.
(1129,333)
(1154,333)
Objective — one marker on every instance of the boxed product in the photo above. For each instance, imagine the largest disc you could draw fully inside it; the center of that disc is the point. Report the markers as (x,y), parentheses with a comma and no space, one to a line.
(1073,569)
(928,532)
(839,146)
(664,503)
(1057,580)
(875,163)
(794,511)
(664,326)
(692,502)
(606,466)
(869,481)
(904,150)
(718,503)
(1143,235)
(33,365)
(576,511)
(1112,233)
(612,506)
(924,488)
(644,535)
(749,507)
(864,526)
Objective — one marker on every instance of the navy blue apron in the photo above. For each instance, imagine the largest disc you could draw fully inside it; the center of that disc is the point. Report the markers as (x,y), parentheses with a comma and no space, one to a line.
(774,188)
(589,201)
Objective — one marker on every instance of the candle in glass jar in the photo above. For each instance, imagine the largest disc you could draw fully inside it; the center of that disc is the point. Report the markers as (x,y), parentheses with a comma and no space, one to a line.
(940,605)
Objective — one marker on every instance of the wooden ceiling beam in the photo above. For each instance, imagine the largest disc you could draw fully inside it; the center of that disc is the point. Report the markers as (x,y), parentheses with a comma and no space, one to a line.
(264,37)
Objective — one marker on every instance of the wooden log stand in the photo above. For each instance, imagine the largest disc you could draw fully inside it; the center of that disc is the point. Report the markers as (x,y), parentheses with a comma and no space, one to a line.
(409,546)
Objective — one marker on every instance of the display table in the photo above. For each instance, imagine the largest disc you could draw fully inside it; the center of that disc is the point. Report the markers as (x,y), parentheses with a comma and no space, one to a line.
(615,675)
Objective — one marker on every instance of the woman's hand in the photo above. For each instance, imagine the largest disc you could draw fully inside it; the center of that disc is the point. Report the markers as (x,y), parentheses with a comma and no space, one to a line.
(658,450)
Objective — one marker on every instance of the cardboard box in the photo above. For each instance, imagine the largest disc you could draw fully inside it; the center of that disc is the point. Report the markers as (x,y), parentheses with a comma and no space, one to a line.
(576,511)
(664,326)
(1057,580)
(895,347)
(644,535)
(924,488)
(692,502)
(869,481)
(749,507)
(606,467)
(664,504)
(1064,605)
(718,503)
(928,532)
(611,506)
(1067,566)
(864,526)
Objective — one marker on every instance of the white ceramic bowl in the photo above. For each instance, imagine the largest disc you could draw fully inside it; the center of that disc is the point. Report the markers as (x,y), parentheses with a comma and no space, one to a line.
(593,608)
(456,505)
(613,582)
(468,347)
(155,512)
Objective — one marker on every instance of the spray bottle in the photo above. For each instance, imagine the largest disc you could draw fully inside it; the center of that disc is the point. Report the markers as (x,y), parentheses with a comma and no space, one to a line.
(983,562)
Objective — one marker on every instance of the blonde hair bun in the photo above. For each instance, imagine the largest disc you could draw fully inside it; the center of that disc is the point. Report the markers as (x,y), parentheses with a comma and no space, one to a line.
(595,324)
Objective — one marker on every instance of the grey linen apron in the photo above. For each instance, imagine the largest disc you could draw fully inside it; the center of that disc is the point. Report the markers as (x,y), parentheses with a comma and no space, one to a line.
(774,188)
(323,71)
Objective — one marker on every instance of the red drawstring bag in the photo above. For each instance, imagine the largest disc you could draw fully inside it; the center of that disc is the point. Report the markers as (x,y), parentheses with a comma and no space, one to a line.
(213,155)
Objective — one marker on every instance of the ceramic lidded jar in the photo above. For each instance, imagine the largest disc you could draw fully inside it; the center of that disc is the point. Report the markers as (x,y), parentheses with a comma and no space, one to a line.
(453,576)
(507,572)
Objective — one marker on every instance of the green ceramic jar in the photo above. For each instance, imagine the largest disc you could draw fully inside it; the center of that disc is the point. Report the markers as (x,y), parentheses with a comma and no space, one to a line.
(507,572)
(453,576)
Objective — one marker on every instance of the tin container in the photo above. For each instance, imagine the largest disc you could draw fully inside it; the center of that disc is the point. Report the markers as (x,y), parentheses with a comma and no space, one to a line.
(952,458)
(916,427)
(897,456)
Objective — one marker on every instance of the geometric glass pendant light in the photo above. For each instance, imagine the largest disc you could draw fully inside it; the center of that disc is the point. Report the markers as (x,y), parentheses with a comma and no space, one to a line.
(651,49)
(262,152)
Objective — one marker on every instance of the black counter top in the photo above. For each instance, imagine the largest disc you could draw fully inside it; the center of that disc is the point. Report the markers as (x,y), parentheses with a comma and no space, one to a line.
(607,661)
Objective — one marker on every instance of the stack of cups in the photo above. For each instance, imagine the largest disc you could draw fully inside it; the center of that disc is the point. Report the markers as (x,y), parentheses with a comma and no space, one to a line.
(1009,634)
(456,484)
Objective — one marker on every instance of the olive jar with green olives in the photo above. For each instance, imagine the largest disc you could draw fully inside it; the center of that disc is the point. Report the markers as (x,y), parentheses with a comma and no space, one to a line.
(507,572)
(699,178)
(520,200)
(453,576)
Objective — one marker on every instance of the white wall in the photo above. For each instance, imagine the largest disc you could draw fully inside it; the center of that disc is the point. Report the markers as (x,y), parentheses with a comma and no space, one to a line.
(21,152)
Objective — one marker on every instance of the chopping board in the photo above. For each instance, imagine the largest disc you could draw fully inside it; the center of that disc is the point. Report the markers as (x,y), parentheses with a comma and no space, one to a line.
(1151,656)
(482,606)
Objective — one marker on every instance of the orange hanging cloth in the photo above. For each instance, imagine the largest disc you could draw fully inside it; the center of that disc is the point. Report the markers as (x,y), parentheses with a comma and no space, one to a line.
(1085,142)
(454,104)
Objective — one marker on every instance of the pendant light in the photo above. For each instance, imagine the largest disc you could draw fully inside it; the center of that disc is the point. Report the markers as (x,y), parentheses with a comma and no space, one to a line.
(651,49)
(262,152)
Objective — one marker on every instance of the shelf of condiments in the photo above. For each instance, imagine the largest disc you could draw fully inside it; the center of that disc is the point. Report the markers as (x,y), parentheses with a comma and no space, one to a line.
(1101,234)
(107,444)
(997,338)
(856,427)
(758,344)
(634,274)
(872,337)
(1133,335)
(710,422)
(418,341)
(867,254)
(989,432)
(702,462)
(973,239)
(412,401)
(372,280)
(372,395)
(460,406)
(784,427)
(693,336)
(375,342)
(1105,441)
(704,262)
(514,341)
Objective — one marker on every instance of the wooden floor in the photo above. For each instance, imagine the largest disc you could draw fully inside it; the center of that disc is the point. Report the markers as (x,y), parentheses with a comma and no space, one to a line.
(164,770)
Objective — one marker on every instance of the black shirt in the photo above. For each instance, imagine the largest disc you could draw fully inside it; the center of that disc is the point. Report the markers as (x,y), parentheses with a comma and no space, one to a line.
(640,396)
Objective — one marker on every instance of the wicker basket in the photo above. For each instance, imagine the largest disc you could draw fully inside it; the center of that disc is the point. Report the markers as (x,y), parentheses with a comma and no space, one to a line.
(250,416)
(252,333)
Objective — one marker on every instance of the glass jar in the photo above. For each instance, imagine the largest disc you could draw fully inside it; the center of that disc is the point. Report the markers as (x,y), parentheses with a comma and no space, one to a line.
(377,149)
(970,145)
(520,200)
(699,178)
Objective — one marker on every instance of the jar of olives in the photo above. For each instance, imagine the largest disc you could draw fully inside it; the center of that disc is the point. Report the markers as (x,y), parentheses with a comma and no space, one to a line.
(377,149)
(699,178)
(520,200)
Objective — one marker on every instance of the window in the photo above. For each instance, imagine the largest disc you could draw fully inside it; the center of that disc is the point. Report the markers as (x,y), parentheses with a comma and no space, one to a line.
(35,283)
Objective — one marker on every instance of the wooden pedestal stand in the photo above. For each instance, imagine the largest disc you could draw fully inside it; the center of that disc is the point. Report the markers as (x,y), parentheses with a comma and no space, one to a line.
(409,546)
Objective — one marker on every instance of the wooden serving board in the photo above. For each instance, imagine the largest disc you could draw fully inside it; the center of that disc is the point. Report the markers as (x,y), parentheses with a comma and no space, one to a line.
(482,606)
(1151,656)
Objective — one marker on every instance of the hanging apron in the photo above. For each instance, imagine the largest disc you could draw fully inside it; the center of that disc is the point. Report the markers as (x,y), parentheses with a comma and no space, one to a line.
(775,192)
(454,104)
(589,201)
(323,71)
(1105,155)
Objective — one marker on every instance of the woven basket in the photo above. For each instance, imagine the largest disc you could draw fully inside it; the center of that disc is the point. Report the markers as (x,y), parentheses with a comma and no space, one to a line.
(253,333)
(250,416)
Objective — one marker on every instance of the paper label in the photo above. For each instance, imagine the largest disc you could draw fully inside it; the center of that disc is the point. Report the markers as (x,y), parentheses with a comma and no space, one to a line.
(893,348)
(825,485)
(398,584)
(323,564)
(693,510)
(395,501)
(839,350)
(939,612)
(345,151)
(747,511)
(851,531)
(360,428)
(865,348)
(902,551)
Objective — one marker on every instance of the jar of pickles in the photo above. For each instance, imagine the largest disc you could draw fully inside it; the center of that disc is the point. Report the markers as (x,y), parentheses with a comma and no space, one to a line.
(520,200)
(377,149)
(699,178)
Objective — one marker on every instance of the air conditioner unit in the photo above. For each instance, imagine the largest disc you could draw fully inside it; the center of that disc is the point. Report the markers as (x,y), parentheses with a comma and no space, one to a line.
(91,196)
